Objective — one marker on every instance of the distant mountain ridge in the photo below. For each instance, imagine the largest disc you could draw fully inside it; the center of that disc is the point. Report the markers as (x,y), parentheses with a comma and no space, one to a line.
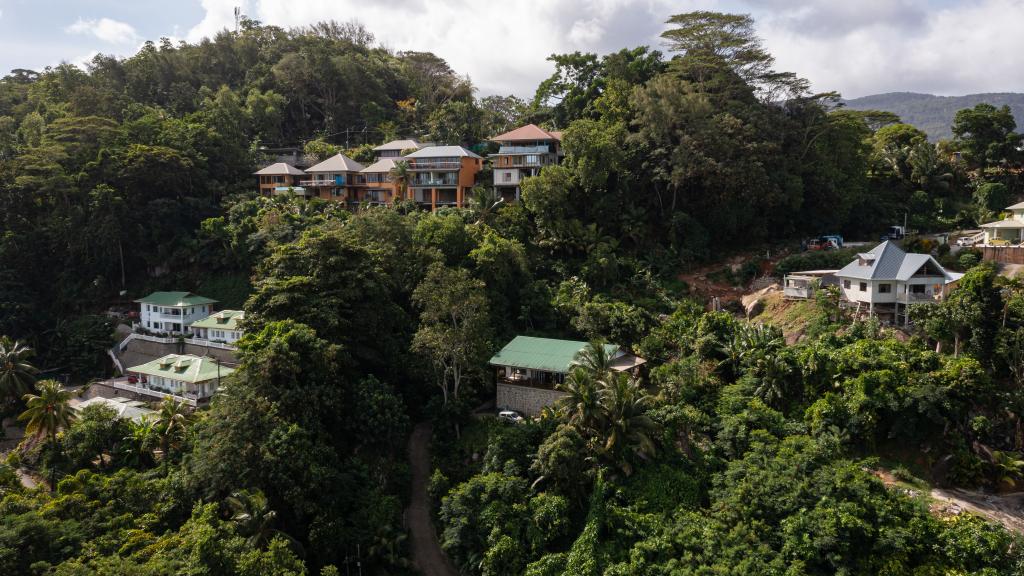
(934,114)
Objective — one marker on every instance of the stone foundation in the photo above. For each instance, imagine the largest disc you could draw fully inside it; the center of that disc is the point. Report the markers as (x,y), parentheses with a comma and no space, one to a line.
(525,400)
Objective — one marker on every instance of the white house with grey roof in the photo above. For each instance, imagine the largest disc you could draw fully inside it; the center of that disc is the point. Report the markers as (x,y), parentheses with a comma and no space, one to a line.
(887,280)
(1006,232)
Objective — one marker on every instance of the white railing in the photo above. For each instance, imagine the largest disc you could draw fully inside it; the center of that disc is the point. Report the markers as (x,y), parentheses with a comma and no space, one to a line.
(210,343)
(154,393)
(173,340)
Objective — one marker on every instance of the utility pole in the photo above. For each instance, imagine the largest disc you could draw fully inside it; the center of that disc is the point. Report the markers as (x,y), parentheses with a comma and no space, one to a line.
(238,17)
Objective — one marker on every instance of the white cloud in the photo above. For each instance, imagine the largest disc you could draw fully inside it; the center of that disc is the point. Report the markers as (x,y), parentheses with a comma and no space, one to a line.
(885,46)
(857,48)
(105,29)
(502,46)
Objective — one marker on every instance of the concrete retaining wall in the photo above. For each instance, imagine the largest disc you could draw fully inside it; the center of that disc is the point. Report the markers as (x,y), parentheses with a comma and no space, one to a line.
(140,351)
(525,400)
(1003,254)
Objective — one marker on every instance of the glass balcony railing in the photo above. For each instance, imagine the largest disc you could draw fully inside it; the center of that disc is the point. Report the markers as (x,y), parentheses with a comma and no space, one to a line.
(421,182)
(524,150)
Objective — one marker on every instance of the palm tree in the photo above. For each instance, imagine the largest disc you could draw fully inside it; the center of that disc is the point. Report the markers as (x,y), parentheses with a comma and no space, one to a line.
(171,422)
(594,359)
(400,174)
(251,512)
(628,430)
(137,446)
(581,404)
(17,375)
(49,411)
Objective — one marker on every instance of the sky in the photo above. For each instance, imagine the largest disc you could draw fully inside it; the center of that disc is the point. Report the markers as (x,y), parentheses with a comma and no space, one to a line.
(947,47)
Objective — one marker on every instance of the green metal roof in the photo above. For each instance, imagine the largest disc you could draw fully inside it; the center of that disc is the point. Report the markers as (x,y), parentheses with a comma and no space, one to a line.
(223,320)
(175,299)
(547,354)
(183,367)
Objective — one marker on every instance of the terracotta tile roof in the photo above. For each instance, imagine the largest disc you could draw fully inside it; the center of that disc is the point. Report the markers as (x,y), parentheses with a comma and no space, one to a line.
(529,132)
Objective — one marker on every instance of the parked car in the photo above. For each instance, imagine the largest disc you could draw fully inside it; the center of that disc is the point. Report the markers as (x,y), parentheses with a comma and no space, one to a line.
(510,416)
(966,241)
(822,244)
(896,233)
(836,238)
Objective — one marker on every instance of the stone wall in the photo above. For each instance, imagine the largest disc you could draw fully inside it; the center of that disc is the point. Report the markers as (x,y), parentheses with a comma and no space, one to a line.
(141,351)
(525,400)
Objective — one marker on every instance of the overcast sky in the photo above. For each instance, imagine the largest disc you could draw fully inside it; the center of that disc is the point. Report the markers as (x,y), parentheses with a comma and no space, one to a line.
(948,47)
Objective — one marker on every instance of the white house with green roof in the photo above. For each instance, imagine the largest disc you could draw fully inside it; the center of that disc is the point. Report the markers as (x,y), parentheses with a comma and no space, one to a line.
(173,312)
(529,369)
(193,379)
(224,326)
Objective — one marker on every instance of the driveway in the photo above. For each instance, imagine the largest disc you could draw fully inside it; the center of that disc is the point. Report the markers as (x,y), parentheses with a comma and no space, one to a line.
(427,555)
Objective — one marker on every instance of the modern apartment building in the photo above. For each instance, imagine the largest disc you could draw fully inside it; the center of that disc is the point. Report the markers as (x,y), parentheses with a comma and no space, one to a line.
(442,175)
(380,187)
(336,178)
(522,153)
(280,178)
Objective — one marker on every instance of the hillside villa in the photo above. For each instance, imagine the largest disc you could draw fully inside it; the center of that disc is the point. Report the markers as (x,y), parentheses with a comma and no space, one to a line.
(528,370)
(280,178)
(1006,232)
(223,326)
(888,281)
(173,312)
(336,178)
(184,377)
(439,175)
(442,175)
(522,153)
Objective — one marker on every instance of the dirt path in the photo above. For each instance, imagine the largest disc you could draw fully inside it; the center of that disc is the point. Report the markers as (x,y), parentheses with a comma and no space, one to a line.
(1005,509)
(427,555)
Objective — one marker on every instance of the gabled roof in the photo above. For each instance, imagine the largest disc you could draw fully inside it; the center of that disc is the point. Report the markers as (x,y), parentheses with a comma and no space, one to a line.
(398,145)
(547,354)
(1017,206)
(279,169)
(442,152)
(888,262)
(530,132)
(125,408)
(223,320)
(175,299)
(1008,223)
(184,368)
(336,163)
(382,165)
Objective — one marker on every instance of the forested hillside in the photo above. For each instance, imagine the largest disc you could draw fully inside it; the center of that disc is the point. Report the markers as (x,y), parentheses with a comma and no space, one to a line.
(934,114)
(730,452)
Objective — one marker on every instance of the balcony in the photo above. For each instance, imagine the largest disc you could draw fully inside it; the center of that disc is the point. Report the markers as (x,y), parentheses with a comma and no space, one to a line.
(336,181)
(524,150)
(421,165)
(433,182)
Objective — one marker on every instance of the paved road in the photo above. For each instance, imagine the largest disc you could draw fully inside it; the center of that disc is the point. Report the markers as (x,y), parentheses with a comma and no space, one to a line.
(427,555)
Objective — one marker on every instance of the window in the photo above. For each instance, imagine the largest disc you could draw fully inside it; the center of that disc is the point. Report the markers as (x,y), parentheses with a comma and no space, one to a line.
(846,284)
(884,288)
(917,288)
(508,176)
(863,286)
